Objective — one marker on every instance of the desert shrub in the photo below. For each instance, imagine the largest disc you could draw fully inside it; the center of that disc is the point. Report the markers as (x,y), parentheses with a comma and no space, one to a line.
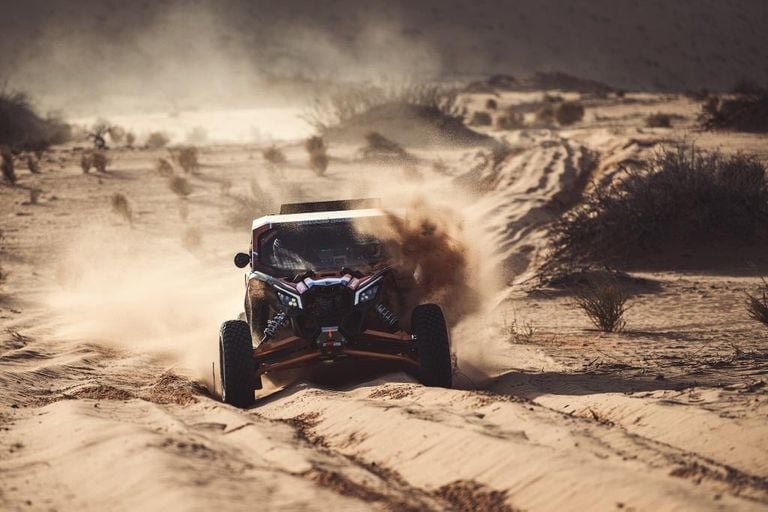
(314,143)
(545,114)
(34,195)
(509,120)
(180,186)
(480,118)
(187,158)
(440,167)
(491,104)
(378,146)
(164,168)
(21,128)
(122,207)
(678,196)
(604,301)
(569,112)
(658,120)
(346,101)
(757,305)
(519,331)
(745,111)
(247,208)
(318,157)
(6,162)
(33,163)
(100,161)
(116,133)
(318,162)
(274,155)
(130,139)
(157,140)
(86,161)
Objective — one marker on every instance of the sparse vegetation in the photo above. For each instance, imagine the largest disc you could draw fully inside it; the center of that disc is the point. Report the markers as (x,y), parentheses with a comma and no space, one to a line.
(6,161)
(604,301)
(247,208)
(34,195)
(679,196)
(274,155)
(509,120)
(164,168)
(746,110)
(378,146)
(86,161)
(440,167)
(130,139)
(347,101)
(100,161)
(658,120)
(180,186)
(318,157)
(480,118)
(519,331)
(187,158)
(122,207)
(412,173)
(546,114)
(569,112)
(757,305)
(157,140)
(491,104)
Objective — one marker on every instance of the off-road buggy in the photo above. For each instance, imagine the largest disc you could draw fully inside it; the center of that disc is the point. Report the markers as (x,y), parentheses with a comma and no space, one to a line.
(320,290)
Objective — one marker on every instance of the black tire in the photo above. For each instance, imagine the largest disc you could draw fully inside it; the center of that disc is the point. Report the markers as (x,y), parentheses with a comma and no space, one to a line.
(236,366)
(432,345)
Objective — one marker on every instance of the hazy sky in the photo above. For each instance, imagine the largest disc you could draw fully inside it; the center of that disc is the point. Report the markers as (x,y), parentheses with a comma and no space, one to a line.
(71,54)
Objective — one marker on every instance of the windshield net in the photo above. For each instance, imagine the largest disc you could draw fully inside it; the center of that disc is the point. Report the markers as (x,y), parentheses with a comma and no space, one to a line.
(319,246)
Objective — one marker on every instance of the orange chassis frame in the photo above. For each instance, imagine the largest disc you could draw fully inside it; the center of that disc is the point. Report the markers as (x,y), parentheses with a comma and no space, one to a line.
(313,354)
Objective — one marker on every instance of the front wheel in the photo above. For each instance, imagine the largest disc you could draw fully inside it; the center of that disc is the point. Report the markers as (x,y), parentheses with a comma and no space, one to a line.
(236,366)
(432,345)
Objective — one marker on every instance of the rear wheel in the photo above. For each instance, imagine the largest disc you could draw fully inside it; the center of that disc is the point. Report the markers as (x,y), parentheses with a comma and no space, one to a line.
(434,351)
(236,366)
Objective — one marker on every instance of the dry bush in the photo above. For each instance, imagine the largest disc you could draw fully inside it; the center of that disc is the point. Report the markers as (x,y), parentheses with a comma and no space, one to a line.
(157,140)
(604,301)
(520,331)
(569,112)
(318,157)
(441,167)
(116,134)
(180,186)
(509,120)
(658,120)
(678,196)
(318,162)
(122,207)
(130,139)
(480,118)
(378,146)
(491,104)
(86,161)
(757,305)
(274,155)
(164,168)
(545,114)
(34,195)
(349,100)
(746,110)
(247,208)
(21,128)
(33,163)
(9,171)
(100,161)
(187,159)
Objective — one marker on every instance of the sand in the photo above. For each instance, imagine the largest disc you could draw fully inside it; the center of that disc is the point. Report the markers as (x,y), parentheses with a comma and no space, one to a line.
(107,399)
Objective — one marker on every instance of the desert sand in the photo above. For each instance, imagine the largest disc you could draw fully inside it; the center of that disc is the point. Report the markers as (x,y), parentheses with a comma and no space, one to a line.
(108,335)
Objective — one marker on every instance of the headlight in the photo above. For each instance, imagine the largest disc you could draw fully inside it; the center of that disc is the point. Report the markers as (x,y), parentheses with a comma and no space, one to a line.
(368,294)
(288,300)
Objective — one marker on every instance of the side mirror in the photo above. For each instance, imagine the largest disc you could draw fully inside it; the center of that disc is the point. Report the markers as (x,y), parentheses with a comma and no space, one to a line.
(242,260)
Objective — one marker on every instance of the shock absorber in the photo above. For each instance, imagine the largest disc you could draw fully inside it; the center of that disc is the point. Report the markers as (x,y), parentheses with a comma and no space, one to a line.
(386,315)
(274,325)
